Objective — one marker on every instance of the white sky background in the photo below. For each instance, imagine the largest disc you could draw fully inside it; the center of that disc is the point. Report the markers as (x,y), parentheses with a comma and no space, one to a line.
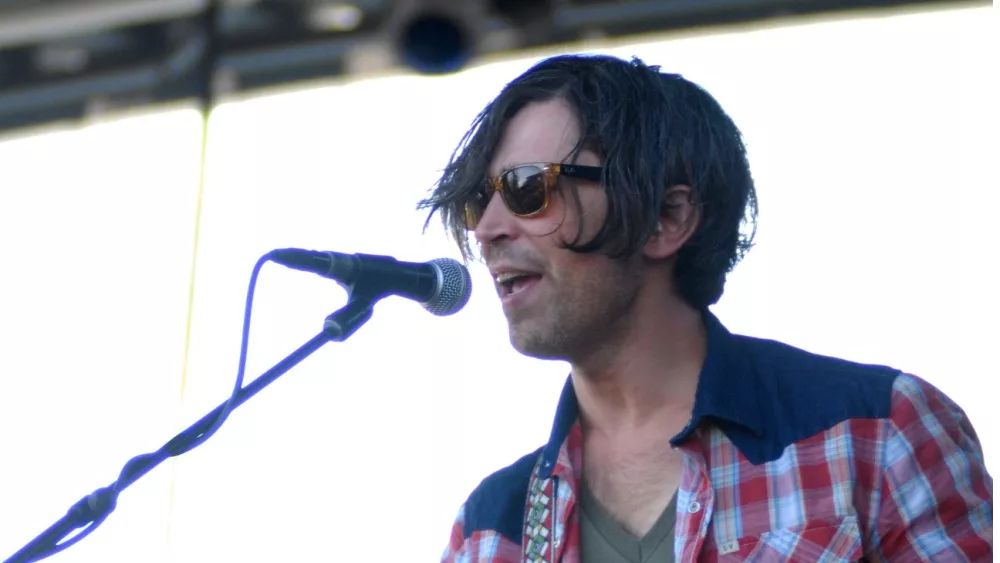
(873,143)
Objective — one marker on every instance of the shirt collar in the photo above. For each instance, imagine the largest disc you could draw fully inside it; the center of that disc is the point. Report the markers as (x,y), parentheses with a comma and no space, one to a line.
(726,393)
(727,386)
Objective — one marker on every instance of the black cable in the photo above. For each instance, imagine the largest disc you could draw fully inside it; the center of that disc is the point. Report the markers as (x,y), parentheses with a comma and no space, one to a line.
(92,510)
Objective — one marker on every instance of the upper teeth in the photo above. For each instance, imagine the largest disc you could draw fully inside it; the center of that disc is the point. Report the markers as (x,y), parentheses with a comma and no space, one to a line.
(508,276)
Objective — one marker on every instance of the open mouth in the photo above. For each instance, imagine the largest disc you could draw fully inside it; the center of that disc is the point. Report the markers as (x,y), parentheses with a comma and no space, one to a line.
(513,283)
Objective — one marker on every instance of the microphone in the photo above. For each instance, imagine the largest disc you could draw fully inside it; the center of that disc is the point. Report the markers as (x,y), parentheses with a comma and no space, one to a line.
(443,285)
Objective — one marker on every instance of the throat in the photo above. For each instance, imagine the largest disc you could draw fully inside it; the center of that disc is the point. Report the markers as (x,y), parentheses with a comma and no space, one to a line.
(633,489)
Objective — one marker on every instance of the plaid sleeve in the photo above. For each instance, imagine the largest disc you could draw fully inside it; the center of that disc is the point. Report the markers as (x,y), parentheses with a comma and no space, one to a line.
(936,495)
(454,553)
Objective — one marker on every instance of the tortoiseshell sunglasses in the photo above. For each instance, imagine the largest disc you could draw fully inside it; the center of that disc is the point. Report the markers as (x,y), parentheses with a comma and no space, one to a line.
(526,189)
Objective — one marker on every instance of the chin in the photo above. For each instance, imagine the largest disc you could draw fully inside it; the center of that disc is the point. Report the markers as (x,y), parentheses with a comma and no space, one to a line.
(534,345)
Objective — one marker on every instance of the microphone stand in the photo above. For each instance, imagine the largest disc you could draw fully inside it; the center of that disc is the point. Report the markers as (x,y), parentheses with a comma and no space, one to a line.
(94,508)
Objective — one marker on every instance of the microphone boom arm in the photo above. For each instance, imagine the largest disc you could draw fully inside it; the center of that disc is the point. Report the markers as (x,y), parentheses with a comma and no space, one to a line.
(93,509)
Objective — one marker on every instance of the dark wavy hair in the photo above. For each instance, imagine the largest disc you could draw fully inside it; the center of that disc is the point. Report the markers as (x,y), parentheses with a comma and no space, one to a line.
(651,130)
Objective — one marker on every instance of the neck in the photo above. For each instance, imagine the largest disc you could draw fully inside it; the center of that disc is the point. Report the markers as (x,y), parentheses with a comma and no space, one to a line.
(648,374)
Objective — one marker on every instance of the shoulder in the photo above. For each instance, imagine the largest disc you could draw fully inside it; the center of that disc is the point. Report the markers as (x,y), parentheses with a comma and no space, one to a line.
(801,394)
(915,400)
(784,366)
(497,504)
(815,392)
(928,432)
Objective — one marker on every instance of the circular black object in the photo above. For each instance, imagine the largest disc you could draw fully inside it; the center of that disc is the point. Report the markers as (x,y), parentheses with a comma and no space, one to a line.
(434,44)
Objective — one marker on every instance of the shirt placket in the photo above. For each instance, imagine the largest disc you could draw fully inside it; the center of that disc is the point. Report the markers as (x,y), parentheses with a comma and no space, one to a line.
(695,502)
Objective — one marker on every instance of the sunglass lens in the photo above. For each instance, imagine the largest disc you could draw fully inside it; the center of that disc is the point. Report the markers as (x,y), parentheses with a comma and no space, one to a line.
(524,190)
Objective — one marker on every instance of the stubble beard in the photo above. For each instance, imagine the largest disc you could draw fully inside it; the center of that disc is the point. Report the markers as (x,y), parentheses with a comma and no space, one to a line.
(582,316)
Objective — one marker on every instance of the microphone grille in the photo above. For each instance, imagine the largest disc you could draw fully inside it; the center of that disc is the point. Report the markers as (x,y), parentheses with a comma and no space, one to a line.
(455,288)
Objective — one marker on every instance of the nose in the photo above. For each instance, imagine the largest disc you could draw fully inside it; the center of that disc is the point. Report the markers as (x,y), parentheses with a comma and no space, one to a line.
(497,222)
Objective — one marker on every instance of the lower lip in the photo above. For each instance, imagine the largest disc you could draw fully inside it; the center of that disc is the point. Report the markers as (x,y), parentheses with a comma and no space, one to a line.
(525,292)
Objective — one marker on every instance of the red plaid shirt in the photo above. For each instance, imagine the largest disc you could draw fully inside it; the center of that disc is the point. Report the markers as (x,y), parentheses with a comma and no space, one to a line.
(789,456)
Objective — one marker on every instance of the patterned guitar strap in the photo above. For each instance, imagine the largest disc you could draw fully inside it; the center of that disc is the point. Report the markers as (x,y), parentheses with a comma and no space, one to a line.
(536,544)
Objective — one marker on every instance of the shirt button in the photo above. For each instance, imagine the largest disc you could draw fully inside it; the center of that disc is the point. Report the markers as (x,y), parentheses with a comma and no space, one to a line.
(694,507)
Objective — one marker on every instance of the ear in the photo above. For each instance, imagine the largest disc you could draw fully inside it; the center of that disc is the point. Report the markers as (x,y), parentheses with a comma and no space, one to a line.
(679,219)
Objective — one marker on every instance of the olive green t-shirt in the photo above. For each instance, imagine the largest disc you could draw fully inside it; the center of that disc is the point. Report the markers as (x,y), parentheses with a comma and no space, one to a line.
(604,540)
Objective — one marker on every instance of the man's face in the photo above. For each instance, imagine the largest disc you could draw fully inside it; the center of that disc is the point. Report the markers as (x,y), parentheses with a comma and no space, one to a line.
(570,301)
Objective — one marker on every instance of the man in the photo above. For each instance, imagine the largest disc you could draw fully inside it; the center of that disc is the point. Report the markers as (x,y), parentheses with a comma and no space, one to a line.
(608,201)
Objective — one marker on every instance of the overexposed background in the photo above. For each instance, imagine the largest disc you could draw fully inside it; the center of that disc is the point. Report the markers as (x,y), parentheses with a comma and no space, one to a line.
(873,142)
